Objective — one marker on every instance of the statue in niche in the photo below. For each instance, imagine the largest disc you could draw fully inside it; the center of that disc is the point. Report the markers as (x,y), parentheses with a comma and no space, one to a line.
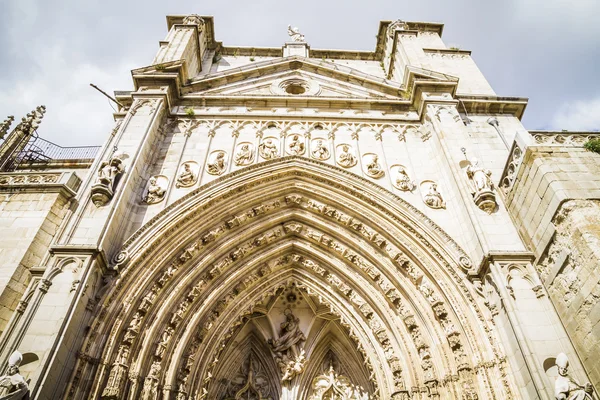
(320,151)
(294,34)
(374,169)
(432,197)
(155,192)
(245,155)
(12,385)
(565,388)
(296,147)
(118,374)
(150,388)
(218,166)
(403,181)
(103,189)
(481,186)
(268,149)
(186,177)
(346,158)
(288,353)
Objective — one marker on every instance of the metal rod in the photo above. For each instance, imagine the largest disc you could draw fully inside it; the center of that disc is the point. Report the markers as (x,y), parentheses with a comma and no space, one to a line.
(104,93)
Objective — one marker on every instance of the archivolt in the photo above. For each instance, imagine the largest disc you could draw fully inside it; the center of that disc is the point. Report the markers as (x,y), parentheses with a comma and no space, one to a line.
(191,277)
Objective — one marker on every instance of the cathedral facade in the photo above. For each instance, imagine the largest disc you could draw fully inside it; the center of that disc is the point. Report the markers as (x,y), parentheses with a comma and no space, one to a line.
(293,223)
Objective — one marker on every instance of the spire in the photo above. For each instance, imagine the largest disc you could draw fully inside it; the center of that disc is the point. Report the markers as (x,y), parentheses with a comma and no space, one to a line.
(4,126)
(33,119)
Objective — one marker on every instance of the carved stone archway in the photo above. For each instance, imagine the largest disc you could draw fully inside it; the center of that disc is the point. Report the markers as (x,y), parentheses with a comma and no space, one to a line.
(202,285)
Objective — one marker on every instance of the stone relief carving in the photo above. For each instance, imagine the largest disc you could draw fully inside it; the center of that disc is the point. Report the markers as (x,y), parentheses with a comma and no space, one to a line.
(28,179)
(12,385)
(482,187)
(320,150)
(295,35)
(217,163)
(117,375)
(372,166)
(106,179)
(401,180)
(565,388)
(244,154)
(396,25)
(250,382)
(188,174)
(337,387)
(510,172)
(193,19)
(156,190)
(287,348)
(346,157)
(296,146)
(431,196)
(268,148)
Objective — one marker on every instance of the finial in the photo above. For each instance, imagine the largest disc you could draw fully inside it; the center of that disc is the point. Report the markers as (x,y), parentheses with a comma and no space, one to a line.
(33,119)
(4,126)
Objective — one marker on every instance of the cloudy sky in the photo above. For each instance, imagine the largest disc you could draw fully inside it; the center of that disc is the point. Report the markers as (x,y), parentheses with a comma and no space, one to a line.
(546,50)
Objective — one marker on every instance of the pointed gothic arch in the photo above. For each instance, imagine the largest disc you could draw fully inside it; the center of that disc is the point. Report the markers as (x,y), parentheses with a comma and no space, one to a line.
(391,281)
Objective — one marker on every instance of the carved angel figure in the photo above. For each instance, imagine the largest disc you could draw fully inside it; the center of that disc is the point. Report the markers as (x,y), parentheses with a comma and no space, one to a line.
(403,181)
(433,198)
(288,354)
(565,388)
(296,147)
(12,385)
(218,166)
(245,155)
(346,158)
(480,177)
(187,177)
(320,151)
(295,34)
(155,192)
(374,169)
(268,149)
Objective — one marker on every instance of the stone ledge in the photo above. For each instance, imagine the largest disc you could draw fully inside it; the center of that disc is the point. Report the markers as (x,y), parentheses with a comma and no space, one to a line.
(65,183)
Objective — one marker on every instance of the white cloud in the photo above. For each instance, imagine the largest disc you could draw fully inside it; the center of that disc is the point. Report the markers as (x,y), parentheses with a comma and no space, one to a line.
(578,115)
(573,16)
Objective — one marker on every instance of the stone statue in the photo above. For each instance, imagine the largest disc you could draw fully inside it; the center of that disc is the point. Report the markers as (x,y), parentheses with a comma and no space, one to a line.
(296,147)
(155,191)
(565,388)
(295,34)
(433,198)
(481,186)
(288,354)
(374,169)
(218,166)
(187,177)
(150,388)
(245,155)
(481,177)
(268,149)
(118,374)
(346,158)
(320,151)
(403,181)
(13,385)
(103,188)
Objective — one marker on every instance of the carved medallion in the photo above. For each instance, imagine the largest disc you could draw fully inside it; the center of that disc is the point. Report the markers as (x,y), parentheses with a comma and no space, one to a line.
(217,162)
(188,174)
(345,156)
(269,149)
(431,196)
(372,166)
(156,189)
(320,149)
(295,145)
(244,154)
(400,178)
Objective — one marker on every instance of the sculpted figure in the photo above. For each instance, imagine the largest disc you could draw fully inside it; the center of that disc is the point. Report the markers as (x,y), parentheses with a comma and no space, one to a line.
(346,158)
(403,181)
(482,187)
(481,177)
(109,170)
(12,385)
(268,149)
(433,198)
(296,147)
(289,356)
(244,156)
(217,167)
(565,388)
(374,168)
(295,34)
(320,151)
(155,192)
(187,177)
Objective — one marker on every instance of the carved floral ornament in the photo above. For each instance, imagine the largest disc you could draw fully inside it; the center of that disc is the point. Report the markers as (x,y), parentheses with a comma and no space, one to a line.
(228,259)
